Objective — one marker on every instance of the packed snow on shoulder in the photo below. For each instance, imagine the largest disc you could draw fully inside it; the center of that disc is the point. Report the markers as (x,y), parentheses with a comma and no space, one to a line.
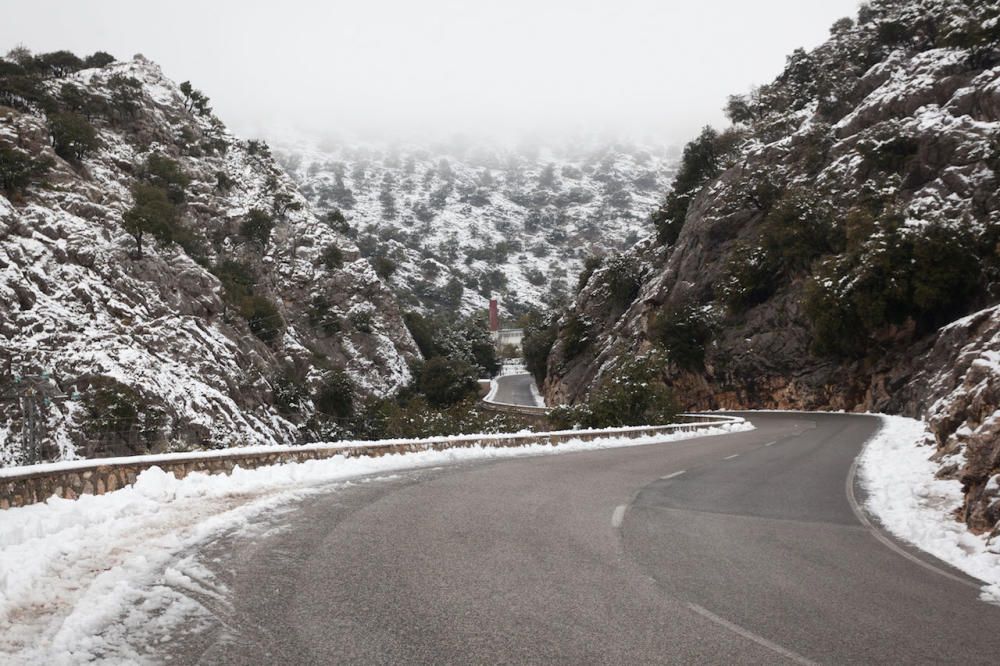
(898,474)
(102,578)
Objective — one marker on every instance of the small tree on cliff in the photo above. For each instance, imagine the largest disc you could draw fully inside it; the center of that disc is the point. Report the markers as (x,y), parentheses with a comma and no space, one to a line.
(195,100)
(152,213)
(73,138)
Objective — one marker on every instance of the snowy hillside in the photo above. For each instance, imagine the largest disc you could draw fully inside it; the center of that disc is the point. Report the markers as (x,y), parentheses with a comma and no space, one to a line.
(449,225)
(166,276)
(837,247)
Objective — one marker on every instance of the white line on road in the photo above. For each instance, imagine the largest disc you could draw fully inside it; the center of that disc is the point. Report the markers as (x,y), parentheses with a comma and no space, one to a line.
(735,455)
(771,443)
(618,515)
(670,476)
(759,640)
(862,517)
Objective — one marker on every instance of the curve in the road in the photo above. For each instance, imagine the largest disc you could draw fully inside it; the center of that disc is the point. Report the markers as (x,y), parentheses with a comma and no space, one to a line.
(741,548)
(515,390)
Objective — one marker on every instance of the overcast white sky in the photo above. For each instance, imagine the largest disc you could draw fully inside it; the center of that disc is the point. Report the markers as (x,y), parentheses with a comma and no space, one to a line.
(405,69)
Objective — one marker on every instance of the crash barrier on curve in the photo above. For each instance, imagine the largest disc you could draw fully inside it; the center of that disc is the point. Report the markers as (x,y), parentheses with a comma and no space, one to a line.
(20,486)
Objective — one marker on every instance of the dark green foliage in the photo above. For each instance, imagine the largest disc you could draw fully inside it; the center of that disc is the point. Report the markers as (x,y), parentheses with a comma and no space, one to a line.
(195,101)
(859,225)
(223,182)
(467,341)
(738,109)
(422,330)
(18,169)
(892,155)
(73,138)
(284,203)
(547,177)
(540,333)
(633,395)
(453,292)
(332,257)
(413,416)
(335,396)
(751,276)
(423,212)
(261,314)
(237,279)
(10,68)
(891,33)
(74,98)
(152,213)
(342,194)
(384,266)
(590,264)
(841,25)
(167,174)
(258,148)
(256,227)
(288,394)
(623,278)
(682,332)
(336,220)
(126,95)
(699,163)
(476,339)
(262,318)
(362,320)
(797,230)
(118,420)
(26,92)
(925,275)
(535,277)
(57,64)
(388,202)
(446,382)
(575,335)
(322,317)
(99,59)
(836,328)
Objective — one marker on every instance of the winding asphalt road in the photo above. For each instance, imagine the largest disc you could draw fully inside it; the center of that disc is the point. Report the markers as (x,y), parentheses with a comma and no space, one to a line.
(515,390)
(741,548)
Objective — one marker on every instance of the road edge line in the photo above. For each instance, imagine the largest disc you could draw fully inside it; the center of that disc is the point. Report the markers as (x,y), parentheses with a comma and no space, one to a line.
(749,635)
(862,516)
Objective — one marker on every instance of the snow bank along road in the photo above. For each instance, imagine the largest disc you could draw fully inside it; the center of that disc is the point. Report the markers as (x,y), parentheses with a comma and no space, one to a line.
(742,548)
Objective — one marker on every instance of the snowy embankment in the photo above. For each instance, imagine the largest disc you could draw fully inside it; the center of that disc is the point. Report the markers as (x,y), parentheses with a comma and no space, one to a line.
(898,475)
(100,577)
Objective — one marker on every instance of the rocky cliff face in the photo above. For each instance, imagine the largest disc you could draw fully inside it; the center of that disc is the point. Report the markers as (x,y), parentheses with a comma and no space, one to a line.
(825,252)
(219,333)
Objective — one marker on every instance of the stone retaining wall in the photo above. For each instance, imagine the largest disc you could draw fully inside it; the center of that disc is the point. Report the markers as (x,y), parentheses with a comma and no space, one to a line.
(93,478)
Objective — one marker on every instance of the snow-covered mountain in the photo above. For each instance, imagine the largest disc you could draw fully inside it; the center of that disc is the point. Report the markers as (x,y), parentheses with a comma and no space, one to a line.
(448,225)
(237,311)
(838,247)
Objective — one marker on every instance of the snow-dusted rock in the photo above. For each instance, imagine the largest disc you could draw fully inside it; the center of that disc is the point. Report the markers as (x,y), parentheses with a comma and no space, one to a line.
(75,302)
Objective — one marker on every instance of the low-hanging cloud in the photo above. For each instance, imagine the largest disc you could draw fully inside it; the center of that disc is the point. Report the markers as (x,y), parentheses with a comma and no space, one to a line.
(392,69)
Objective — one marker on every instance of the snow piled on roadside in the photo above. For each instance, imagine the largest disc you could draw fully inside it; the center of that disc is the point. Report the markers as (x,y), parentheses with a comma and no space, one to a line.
(101,578)
(536,396)
(896,471)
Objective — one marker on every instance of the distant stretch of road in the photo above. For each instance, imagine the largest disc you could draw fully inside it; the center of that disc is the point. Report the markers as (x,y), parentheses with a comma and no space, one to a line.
(515,390)
(736,549)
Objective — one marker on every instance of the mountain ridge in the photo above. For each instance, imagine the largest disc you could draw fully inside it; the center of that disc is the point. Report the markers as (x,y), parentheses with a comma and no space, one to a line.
(234,315)
(836,248)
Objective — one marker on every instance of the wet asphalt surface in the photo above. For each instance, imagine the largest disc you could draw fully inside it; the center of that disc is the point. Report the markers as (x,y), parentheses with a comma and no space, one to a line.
(747,552)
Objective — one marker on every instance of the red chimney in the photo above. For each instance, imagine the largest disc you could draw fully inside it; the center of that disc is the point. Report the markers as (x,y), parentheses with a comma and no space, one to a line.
(494,316)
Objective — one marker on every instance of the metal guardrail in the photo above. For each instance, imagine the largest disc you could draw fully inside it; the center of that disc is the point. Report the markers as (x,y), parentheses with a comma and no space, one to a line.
(30,484)
(509,408)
